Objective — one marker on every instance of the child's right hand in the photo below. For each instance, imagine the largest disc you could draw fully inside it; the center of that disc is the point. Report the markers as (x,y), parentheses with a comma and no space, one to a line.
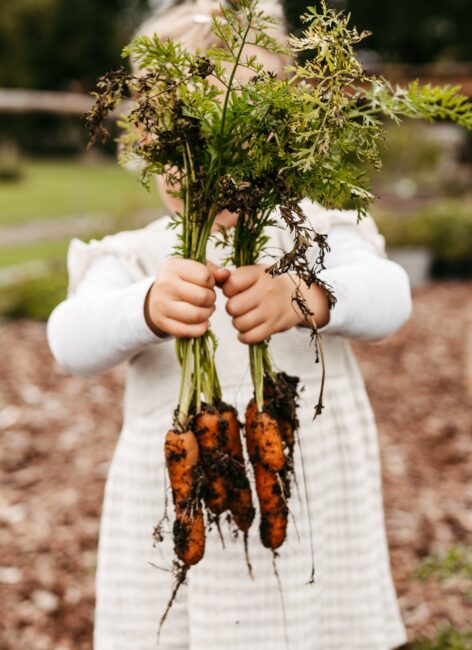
(182,299)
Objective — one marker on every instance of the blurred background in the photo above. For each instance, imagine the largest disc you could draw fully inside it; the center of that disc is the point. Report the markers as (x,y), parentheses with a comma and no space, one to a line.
(58,432)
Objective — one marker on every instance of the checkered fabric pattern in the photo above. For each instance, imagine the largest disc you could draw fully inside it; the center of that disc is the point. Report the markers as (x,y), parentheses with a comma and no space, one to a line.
(351,605)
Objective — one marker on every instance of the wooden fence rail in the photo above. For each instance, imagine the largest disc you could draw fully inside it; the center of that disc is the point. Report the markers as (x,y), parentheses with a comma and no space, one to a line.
(13,100)
(25,101)
(457,74)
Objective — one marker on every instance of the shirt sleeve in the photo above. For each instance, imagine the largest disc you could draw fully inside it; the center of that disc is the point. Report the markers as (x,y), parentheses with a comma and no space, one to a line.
(373,293)
(101,323)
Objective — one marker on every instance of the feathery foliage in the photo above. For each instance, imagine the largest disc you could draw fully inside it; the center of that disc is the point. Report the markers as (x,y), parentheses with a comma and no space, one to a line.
(252,146)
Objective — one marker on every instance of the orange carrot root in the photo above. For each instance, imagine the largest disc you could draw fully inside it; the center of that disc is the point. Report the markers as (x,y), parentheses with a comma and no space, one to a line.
(231,431)
(266,450)
(268,440)
(189,537)
(182,456)
(274,511)
(182,459)
(239,490)
(251,412)
(242,508)
(208,432)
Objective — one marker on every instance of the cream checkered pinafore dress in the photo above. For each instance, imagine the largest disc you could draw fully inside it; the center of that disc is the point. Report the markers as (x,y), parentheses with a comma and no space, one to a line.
(352,604)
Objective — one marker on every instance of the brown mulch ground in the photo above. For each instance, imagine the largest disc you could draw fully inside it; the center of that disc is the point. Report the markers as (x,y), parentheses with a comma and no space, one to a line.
(58,433)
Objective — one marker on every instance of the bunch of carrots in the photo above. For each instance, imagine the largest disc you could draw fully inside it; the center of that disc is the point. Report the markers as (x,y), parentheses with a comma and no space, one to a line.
(271,421)
(206,463)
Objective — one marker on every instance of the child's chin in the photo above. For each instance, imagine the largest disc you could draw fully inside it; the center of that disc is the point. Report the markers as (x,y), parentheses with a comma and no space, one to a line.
(226,219)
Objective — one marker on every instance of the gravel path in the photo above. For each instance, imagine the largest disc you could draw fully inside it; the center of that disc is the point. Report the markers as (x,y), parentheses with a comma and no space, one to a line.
(46,229)
(80,225)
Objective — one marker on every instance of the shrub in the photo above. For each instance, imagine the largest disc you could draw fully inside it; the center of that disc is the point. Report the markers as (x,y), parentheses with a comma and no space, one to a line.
(33,297)
(446,229)
(10,166)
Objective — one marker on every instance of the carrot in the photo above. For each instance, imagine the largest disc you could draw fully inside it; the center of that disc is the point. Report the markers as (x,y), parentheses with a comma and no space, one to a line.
(266,436)
(266,450)
(209,436)
(274,511)
(182,456)
(182,459)
(230,431)
(241,505)
(239,490)
(189,536)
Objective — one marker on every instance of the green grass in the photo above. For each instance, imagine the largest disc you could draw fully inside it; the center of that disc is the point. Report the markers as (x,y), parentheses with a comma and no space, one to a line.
(447,639)
(51,189)
(47,251)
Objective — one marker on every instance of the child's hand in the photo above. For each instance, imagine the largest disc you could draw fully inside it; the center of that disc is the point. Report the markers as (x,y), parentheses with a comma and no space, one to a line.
(182,299)
(261,305)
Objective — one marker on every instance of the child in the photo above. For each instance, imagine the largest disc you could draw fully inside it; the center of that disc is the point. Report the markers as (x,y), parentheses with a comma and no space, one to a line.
(128,298)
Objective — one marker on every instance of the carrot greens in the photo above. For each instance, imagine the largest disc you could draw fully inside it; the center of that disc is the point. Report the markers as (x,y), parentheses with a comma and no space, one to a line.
(264,143)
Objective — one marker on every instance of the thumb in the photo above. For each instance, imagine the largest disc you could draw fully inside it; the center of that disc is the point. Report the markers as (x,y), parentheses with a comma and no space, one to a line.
(221,275)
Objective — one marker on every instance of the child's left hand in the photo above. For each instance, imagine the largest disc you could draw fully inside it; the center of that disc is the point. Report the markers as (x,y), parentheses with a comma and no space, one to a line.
(261,305)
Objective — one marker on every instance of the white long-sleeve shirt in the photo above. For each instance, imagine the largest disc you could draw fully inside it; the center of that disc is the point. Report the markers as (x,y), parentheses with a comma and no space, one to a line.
(102,323)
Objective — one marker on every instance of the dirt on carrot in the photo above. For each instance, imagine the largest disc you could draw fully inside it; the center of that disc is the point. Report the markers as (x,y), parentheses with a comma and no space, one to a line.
(211,442)
(239,491)
(189,536)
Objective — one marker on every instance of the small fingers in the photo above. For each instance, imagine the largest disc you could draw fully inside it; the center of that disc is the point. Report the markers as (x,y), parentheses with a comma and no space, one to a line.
(240,280)
(221,276)
(256,335)
(184,312)
(243,303)
(195,273)
(248,321)
(183,330)
(195,295)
